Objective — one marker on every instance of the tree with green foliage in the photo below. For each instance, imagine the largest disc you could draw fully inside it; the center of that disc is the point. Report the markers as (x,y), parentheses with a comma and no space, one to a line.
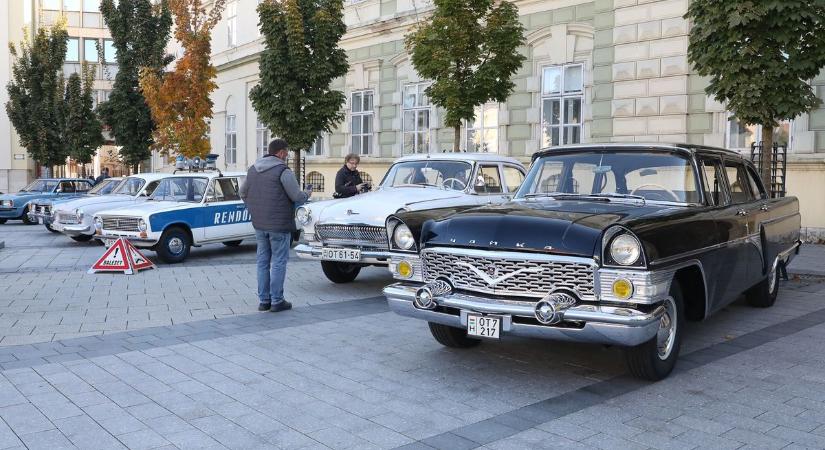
(140,30)
(82,132)
(469,48)
(35,94)
(759,56)
(300,60)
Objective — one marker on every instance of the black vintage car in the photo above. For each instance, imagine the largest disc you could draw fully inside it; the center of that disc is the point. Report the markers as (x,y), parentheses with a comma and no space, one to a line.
(613,244)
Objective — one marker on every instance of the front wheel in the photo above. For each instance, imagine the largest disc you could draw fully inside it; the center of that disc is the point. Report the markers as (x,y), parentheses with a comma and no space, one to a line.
(340,272)
(656,358)
(82,238)
(451,336)
(49,227)
(764,294)
(174,245)
(25,217)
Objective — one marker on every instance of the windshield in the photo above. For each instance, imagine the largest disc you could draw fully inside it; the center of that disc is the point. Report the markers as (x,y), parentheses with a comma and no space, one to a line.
(646,176)
(131,186)
(106,186)
(181,189)
(443,174)
(40,186)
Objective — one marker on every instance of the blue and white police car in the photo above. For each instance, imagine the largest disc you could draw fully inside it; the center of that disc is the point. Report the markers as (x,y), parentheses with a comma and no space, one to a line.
(184,210)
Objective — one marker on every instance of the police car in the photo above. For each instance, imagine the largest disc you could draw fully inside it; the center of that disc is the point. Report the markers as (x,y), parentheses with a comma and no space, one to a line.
(184,210)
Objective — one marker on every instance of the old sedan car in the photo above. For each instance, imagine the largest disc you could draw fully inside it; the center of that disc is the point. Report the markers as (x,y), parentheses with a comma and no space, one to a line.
(43,211)
(16,206)
(75,217)
(347,234)
(184,210)
(611,244)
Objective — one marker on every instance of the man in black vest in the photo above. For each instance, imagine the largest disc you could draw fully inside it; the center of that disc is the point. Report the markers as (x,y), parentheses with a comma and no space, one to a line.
(270,192)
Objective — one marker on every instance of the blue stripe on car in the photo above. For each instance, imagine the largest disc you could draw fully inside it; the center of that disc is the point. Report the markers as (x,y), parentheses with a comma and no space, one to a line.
(201,217)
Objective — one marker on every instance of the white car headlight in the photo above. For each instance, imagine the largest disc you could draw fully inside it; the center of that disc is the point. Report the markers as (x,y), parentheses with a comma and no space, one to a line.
(79,213)
(98,223)
(303,215)
(141,225)
(625,249)
(403,237)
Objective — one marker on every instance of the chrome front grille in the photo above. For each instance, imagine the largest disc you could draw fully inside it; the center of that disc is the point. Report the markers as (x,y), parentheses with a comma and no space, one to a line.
(67,218)
(42,209)
(510,273)
(361,235)
(115,223)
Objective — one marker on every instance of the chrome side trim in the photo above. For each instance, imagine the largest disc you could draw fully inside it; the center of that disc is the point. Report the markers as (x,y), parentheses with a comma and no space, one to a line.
(699,251)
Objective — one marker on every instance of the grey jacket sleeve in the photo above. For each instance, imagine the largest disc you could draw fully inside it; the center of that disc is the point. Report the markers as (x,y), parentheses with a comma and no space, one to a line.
(244,188)
(291,187)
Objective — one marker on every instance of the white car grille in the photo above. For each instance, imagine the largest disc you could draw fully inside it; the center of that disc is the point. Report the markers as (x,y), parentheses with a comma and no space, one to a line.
(360,235)
(116,223)
(67,218)
(42,209)
(532,275)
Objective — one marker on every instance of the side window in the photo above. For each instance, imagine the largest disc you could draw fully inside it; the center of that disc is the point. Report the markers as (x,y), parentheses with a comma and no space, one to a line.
(740,191)
(223,190)
(513,178)
(66,187)
(489,176)
(756,186)
(713,182)
(150,188)
(82,186)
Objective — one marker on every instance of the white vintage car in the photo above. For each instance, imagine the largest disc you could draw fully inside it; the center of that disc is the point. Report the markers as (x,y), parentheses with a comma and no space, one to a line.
(184,210)
(75,218)
(348,234)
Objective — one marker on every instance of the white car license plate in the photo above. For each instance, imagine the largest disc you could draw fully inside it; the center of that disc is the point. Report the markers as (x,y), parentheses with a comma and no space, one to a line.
(483,326)
(108,242)
(340,254)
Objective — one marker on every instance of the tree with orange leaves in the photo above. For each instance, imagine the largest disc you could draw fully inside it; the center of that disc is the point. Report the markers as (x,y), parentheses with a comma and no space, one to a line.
(179,100)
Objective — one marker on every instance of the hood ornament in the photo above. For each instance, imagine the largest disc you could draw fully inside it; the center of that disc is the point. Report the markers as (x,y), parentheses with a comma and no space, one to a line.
(352,213)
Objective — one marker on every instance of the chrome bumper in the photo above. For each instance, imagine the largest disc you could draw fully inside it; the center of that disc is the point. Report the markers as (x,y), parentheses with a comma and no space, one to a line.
(74,230)
(378,256)
(597,324)
(137,240)
(37,217)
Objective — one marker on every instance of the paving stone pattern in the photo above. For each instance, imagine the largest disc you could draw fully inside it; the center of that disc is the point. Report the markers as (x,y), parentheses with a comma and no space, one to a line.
(342,372)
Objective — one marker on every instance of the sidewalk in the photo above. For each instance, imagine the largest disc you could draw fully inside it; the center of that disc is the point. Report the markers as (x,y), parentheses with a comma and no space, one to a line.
(810,261)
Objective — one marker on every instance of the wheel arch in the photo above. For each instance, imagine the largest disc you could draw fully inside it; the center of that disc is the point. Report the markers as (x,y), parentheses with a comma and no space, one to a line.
(182,225)
(692,281)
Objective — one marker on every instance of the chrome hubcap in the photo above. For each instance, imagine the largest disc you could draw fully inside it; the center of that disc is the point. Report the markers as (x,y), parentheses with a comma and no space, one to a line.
(175,245)
(772,279)
(666,335)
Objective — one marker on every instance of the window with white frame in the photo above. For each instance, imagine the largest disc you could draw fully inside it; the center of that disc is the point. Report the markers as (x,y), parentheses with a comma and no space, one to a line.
(740,136)
(562,92)
(261,138)
(415,119)
(231,140)
(482,132)
(361,117)
(231,24)
(317,148)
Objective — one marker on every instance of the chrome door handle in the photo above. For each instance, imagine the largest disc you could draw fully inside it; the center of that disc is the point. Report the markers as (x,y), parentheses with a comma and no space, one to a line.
(741,212)
(764,207)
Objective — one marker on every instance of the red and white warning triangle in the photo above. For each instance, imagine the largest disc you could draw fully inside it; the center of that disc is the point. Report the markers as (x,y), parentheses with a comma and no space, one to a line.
(122,256)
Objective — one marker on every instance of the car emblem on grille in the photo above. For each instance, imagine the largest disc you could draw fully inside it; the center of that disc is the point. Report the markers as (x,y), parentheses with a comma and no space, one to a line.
(493,279)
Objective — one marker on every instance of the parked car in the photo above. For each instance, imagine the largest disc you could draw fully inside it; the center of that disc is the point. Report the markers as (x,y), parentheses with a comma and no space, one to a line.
(611,244)
(42,211)
(16,206)
(75,218)
(184,210)
(348,234)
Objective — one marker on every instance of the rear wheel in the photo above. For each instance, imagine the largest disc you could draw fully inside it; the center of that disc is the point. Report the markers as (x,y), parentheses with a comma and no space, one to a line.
(174,245)
(25,217)
(451,336)
(340,272)
(232,243)
(82,238)
(655,359)
(764,294)
(49,227)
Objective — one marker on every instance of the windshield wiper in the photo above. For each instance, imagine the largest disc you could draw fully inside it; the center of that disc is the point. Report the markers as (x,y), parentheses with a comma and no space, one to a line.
(551,194)
(619,195)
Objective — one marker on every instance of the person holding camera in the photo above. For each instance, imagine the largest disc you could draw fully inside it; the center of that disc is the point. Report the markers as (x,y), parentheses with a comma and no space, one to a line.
(348,181)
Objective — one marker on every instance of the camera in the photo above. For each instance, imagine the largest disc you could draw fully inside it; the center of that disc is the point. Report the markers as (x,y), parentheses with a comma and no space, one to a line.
(366,188)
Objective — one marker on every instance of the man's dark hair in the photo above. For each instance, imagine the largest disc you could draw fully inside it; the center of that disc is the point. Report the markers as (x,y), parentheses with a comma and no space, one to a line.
(276,145)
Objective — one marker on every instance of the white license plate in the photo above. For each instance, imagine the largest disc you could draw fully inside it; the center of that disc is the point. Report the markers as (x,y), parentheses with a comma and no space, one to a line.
(340,254)
(108,242)
(483,326)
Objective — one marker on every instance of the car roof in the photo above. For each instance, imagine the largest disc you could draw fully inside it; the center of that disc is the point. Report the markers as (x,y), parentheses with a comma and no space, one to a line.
(460,156)
(207,174)
(687,148)
(63,179)
(151,176)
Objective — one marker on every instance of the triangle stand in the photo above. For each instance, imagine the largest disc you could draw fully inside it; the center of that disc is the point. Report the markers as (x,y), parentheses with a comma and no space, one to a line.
(122,256)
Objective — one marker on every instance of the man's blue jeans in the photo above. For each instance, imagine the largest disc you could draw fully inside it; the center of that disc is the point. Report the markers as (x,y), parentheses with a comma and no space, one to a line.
(273,252)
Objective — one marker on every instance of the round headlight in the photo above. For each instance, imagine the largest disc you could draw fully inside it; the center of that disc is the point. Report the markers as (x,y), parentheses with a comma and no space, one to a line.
(625,250)
(141,225)
(622,289)
(98,223)
(79,213)
(403,237)
(303,215)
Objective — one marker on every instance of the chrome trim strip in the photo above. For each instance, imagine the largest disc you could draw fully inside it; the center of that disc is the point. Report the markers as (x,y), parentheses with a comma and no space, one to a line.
(512,255)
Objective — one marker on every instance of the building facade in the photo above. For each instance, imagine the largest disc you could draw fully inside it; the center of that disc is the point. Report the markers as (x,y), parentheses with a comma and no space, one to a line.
(596,71)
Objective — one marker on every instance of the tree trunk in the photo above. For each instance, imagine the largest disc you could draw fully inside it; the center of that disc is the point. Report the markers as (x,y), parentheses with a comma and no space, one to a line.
(457,139)
(297,161)
(766,159)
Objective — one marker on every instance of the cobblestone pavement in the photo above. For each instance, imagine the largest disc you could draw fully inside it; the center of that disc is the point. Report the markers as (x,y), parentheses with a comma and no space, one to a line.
(340,371)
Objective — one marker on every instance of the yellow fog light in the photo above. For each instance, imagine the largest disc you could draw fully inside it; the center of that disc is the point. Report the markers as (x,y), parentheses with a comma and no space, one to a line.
(405,269)
(622,289)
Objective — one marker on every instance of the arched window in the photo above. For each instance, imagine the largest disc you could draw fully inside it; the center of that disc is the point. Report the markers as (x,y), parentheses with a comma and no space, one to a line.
(316,180)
